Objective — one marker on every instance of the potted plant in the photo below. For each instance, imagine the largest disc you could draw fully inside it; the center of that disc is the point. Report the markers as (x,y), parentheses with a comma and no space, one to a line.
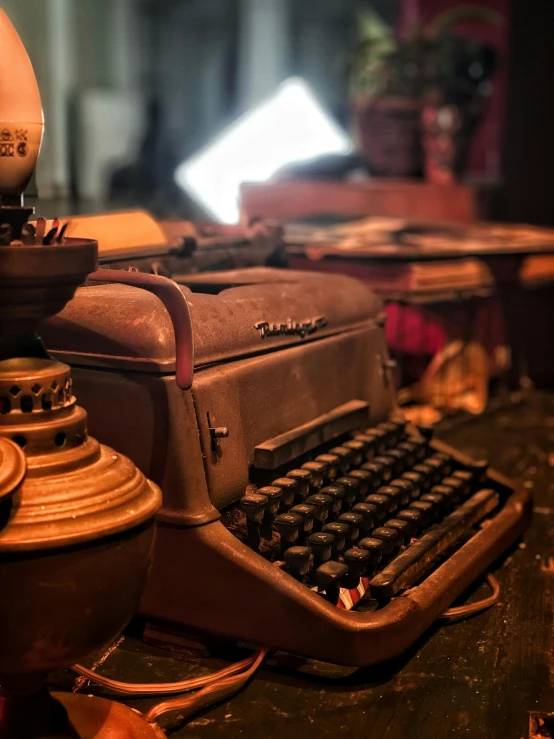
(418,100)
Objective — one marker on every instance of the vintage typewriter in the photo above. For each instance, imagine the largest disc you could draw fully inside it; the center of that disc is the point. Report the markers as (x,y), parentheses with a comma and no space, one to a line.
(300,512)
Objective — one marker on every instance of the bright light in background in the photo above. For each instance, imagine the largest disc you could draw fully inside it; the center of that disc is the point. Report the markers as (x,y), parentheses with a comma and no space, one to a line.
(289,127)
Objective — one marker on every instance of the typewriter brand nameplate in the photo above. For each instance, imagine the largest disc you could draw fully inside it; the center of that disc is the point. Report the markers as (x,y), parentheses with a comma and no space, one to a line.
(290,327)
(284,448)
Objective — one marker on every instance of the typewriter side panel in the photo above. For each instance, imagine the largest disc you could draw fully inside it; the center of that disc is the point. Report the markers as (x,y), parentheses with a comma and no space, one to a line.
(262,397)
(147,418)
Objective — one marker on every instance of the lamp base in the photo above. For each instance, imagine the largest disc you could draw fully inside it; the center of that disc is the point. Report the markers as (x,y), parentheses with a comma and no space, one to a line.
(70,716)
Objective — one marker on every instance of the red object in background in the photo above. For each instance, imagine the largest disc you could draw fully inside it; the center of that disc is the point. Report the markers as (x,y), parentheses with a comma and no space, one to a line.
(484,155)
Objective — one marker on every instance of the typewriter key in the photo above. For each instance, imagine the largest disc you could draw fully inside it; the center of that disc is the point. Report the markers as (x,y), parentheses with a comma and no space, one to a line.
(380,438)
(479,472)
(369,513)
(405,529)
(273,496)
(427,473)
(308,513)
(466,478)
(405,486)
(318,471)
(357,560)
(321,545)
(425,508)
(399,458)
(340,532)
(288,526)
(352,490)
(449,492)
(358,448)
(437,467)
(447,462)
(377,471)
(416,478)
(288,490)
(322,505)
(410,449)
(390,538)
(346,457)
(355,523)
(336,493)
(253,506)
(365,479)
(297,561)
(439,502)
(384,503)
(303,480)
(370,445)
(332,464)
(413,517)
(375,547)
(395,494)
(388,464)
(461,488)
(328,578)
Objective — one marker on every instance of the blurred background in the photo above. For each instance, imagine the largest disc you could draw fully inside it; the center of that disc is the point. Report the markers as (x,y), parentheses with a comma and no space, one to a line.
(427,89)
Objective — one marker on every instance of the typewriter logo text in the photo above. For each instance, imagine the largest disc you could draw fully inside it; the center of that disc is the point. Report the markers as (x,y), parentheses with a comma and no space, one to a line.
(290,327)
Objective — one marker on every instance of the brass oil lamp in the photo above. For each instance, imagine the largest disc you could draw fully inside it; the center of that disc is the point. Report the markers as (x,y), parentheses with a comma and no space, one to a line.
(76,517)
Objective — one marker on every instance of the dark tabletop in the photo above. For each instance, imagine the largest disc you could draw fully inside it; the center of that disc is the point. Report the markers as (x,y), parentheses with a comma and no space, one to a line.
(478,678)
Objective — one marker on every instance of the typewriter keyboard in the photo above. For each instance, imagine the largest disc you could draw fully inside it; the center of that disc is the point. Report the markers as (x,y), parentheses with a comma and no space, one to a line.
(367,518)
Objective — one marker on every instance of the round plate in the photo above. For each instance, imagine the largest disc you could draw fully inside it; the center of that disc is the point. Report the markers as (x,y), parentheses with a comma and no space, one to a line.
(13,467)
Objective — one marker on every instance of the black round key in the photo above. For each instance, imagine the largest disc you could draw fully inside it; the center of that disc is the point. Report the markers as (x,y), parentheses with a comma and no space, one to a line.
(336,493)
(399,458)
(395,494)
(288,526)
(458,485)
(466,478)
(365,479)
(340,532)
(297,561)
(389,537)
(385,505)
(479,471)
(329,577)
(332,464)
(416,479)
(415,518)
(355,523)
(449,492)
(436,469)
(321,545)
(410,449)
(318,471)
(351,490)
(253,505)
(404,528)
(346,457)
(392,432)
(288,489)
(427,473)
(389,466)
(447,462)
(425,508)
(273,495)
(376,470)
(370,444)
(369,513)
(440,503)
(358,449)
(322,505)
(380,437)
(303,479)
(405,486)
(357,560)
(375,547)
(308,514)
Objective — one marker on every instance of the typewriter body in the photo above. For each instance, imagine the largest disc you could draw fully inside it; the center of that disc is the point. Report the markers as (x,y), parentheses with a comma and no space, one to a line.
(299,512)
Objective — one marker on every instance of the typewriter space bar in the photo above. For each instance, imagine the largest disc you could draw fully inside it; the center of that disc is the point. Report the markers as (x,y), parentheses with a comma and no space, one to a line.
(406,569)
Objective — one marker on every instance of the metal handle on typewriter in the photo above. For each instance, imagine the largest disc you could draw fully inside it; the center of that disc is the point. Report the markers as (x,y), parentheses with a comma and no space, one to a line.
(176,305)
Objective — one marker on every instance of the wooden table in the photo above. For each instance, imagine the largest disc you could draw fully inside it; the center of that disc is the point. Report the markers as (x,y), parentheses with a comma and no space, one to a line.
(475,679)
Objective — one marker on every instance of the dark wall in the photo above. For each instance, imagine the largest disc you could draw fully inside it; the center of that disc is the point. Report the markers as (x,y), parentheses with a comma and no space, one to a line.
(528,149)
